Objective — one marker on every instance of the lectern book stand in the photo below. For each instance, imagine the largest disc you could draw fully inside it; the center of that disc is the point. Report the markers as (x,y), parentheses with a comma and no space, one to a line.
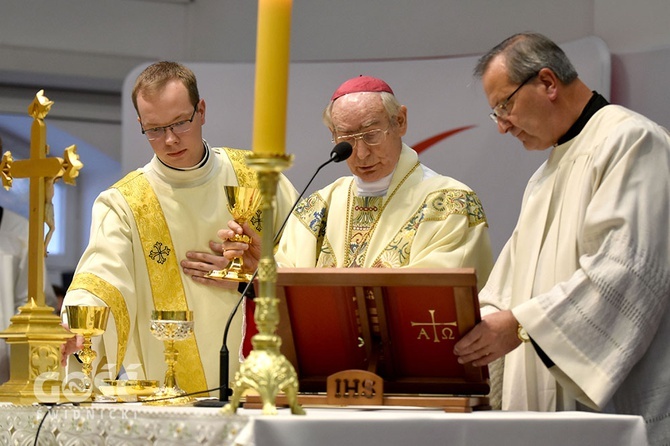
(399,324)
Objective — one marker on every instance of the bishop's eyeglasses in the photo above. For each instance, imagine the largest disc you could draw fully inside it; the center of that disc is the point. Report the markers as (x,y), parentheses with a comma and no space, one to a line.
(371,137)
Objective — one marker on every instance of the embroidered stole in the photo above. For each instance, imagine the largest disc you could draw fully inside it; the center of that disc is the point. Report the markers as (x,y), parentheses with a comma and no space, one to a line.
(364,213)
(167,288)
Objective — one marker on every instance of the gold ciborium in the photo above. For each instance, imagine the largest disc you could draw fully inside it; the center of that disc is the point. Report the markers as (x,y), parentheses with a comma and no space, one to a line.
(243,203)
(87,321)
(170,326)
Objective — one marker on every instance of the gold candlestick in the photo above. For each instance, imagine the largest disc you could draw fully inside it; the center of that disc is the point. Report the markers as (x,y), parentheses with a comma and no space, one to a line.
(87,321)
(243,203)
(266,370)
(170,326)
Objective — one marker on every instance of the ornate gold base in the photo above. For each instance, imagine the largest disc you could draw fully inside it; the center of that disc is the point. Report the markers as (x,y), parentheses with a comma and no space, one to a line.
(267,372)
(229,274)
(35,336)
(168,396)
(22,392)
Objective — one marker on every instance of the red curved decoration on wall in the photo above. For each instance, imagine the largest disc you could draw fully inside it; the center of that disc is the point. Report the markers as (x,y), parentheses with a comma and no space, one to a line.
(427,143)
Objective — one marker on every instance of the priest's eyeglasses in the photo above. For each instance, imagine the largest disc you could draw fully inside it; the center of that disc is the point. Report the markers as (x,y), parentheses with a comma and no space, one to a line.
(177,128)
(500,111)
(371,137)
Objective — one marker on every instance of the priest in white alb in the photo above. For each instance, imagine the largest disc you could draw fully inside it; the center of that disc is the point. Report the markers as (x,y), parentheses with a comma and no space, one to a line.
(582,287)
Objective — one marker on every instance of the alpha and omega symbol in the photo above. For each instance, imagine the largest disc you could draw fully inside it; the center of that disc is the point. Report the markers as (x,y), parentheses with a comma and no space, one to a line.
(441,330)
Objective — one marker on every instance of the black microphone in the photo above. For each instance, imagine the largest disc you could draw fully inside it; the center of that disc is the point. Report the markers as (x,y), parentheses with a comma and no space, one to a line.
(340,152)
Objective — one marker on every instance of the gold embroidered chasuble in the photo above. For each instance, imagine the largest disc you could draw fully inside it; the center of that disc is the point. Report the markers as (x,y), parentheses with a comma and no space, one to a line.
(143,226)
(422,221)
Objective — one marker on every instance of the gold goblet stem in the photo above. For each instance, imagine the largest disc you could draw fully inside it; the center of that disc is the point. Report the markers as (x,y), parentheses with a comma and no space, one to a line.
(171,355)
(170,326)
(87,356)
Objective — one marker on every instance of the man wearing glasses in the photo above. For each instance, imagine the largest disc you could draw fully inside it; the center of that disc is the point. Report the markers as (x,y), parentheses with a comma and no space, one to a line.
(583,285)
(171,209)
(393,211)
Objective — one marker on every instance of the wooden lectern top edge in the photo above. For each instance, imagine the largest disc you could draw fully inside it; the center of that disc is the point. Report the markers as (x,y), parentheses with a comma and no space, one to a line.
(464,277)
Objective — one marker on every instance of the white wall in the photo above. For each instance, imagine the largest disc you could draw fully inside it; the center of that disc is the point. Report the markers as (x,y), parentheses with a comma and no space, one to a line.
(440,96)
(81,50)
(632,26)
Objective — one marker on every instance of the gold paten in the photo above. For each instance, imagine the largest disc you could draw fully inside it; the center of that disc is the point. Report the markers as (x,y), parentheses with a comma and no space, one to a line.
(243,203)
(266,370)
(128,389)
(35,334)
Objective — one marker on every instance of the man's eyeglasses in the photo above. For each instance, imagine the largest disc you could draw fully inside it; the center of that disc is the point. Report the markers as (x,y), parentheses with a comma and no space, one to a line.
(500,111)
(371,137)
(177,128)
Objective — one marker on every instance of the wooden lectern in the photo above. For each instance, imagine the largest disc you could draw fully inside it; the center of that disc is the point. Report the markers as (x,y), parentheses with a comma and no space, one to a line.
(401,324)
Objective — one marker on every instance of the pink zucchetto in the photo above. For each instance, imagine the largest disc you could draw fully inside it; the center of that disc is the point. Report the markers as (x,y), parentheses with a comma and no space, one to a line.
(360,84)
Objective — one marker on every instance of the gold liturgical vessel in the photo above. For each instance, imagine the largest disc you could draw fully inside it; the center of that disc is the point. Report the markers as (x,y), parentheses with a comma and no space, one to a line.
(243,203)
(87,321)
(170,326)
(35,334)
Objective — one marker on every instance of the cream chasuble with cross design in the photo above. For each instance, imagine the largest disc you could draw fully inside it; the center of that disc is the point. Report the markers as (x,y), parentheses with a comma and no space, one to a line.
(132,265)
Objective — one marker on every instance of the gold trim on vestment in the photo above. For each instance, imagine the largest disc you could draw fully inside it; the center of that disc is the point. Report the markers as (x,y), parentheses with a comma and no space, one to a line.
(362,216)
(437,206)
(113,298)
(357,258)
(167,288)
(246,177)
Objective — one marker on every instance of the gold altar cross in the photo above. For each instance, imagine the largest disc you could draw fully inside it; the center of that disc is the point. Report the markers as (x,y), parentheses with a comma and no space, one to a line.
(43,172)
(35,334)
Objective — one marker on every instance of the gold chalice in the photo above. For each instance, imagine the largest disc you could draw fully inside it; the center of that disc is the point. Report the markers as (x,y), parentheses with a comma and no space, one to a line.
(170,326)
(87,321)
(243,203)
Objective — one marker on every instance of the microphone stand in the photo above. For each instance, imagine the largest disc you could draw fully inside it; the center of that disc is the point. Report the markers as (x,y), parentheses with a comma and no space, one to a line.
(340,152)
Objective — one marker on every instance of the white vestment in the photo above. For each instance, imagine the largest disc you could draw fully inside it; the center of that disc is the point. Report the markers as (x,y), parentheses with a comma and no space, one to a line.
(424,221)
(194,205)
(587,274)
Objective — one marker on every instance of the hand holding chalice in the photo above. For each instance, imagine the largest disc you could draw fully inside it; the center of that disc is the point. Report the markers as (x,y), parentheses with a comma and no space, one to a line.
(243,203)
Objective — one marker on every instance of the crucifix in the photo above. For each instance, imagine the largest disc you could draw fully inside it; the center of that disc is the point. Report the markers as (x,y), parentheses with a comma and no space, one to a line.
(35,334)
(43,173)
